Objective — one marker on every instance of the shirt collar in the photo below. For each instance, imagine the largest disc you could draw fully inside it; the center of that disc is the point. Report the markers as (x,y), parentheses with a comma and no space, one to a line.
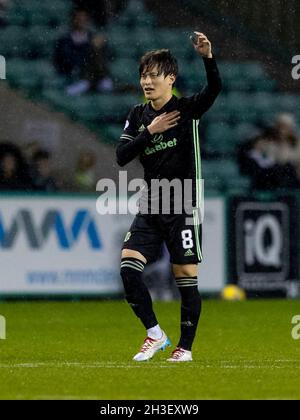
(165,108)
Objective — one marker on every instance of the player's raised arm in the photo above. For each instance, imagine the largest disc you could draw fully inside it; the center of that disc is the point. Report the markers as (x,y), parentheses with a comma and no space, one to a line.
(202,101)
(202,44)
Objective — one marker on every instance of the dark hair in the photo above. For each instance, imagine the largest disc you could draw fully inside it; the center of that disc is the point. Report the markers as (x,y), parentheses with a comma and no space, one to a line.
(21,164)
(78,10)
(269,133)
(166,63)
(41,155)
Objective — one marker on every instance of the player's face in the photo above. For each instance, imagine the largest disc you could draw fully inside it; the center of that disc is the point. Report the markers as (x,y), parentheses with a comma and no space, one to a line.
(156,85)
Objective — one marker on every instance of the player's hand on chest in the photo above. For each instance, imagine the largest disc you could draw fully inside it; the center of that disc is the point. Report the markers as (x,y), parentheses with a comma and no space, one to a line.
(163,123)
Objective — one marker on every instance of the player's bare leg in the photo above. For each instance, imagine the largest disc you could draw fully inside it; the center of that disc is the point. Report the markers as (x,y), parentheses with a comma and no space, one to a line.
(138,297)
(186,280)
(130,253)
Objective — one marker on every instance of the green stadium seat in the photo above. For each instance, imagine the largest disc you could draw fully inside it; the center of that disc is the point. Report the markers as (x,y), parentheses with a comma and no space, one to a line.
(215,175)
(243,131)
(13,43)
(239,84)
(58,11)
(38,17)
(118,34)
(29,74)
(59,99)
(193,74)
(241,103)
(212,183)
(132,20)
(84,108)
(124,72)
(263,101)
(43,68)
(177,41)
(125,21)
(115,107)
(112,132)
(266,85)
(245,76)
(143,40)
(120,42)
(239,182)
(210,191)
(16,16)
(137,14)
(229,70)
(35,12)
(221,169)
(15,66)
(219,139)
(287,102)
(146,20)
(41,41)
(252,70)
(97,108)
(54,81)
(20,75)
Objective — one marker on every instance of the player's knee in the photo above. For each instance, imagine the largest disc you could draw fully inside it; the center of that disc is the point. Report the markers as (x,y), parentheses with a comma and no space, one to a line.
(130,253)
(186,270)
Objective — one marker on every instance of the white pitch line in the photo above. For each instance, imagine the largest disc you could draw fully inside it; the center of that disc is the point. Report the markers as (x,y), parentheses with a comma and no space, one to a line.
(265,364)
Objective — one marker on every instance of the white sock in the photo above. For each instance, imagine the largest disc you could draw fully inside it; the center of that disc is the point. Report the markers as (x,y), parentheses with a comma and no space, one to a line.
(155,332)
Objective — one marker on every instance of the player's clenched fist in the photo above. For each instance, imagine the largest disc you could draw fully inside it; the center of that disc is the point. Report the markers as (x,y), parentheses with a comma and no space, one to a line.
(202,44)
(164,122)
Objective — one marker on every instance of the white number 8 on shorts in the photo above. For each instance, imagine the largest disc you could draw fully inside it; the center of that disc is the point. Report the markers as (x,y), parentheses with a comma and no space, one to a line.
(187,239)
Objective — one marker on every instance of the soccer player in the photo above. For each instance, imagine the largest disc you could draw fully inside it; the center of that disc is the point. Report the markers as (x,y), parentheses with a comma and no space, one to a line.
(164,135)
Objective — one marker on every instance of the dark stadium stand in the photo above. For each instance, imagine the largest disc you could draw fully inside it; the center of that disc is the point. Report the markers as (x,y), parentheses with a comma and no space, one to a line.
(250,97)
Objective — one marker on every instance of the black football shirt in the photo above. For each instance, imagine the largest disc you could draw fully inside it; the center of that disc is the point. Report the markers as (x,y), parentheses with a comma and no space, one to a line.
(174,154)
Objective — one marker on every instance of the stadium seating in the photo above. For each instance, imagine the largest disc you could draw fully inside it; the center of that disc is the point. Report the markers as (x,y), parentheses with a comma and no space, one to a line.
(128,76)
(34,12)
(249,95)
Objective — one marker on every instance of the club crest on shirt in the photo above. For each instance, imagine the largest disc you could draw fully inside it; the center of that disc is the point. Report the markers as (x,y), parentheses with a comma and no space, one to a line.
(157,138)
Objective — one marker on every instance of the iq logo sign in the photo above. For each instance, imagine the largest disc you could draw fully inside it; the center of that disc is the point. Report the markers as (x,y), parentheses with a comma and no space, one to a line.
(2,328)
(263,254)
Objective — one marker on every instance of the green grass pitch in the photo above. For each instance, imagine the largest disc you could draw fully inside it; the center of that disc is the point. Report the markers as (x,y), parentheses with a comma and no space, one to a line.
(83,350)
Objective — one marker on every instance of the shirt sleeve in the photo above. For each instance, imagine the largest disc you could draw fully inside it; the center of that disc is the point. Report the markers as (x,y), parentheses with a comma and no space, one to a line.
(131,142)
(199,103)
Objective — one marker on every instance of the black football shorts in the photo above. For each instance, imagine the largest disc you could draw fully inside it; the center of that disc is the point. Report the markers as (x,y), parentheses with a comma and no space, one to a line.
(182,234)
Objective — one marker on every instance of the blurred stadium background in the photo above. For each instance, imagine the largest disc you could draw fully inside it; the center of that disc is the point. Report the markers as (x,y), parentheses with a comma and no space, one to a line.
(58,135)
